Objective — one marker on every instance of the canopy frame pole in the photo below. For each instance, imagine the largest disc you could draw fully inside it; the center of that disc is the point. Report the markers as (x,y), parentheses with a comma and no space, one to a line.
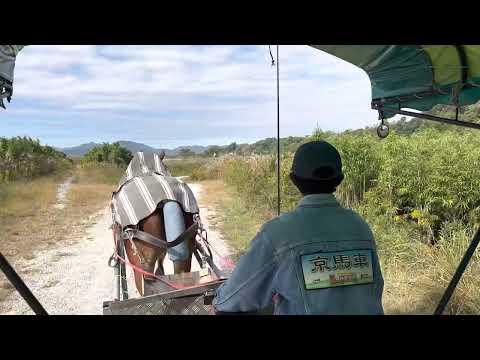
(458,274)
(278,139)
(466,124)
(462,56)
(21,287)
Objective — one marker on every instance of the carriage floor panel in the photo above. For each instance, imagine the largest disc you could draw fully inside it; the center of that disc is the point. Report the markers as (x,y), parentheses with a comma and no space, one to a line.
(178,302)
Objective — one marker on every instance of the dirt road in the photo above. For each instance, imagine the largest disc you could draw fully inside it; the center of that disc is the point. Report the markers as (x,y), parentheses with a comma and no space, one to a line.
(75,279)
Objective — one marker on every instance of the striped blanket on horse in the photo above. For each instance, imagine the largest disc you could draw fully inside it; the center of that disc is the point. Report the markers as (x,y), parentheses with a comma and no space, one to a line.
(145,185)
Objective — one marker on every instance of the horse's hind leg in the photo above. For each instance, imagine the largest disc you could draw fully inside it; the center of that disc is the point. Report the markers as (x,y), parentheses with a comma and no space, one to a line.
(140,255)
(154,225)
(144,255)
(161,256)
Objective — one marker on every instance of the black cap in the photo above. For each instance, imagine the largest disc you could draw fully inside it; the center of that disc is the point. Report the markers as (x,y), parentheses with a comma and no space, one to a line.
(317,160)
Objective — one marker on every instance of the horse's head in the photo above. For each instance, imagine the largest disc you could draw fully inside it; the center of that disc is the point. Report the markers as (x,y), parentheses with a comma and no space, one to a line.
(161,154)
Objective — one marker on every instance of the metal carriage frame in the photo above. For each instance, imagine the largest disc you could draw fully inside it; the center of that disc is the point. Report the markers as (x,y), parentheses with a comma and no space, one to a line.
(432,73)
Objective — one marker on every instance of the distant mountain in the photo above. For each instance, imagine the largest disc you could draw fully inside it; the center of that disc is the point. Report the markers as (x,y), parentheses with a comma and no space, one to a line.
(81,150)
(134,147)
(195,148)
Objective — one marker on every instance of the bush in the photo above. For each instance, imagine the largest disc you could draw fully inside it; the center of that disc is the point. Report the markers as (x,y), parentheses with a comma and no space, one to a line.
(184,167)
(22,158)
(108,153)
(419,193)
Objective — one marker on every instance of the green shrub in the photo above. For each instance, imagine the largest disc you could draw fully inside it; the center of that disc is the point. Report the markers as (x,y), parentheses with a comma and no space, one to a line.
(108,153)
(184,167)
(22,158)
(419,193)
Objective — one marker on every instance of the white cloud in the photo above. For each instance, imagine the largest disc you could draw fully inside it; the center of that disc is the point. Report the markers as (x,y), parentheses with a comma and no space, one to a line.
(231,90)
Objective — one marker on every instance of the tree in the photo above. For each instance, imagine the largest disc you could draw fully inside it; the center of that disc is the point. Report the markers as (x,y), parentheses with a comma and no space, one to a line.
(25,158)
(109,153)
(214,149)
(231,148)
(185,152)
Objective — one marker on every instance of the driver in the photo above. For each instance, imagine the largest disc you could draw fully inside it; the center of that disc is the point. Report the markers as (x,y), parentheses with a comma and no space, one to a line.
(319,258)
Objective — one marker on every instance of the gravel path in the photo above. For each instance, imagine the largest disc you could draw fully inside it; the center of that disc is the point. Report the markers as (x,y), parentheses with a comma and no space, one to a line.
(77,280)
(62,193)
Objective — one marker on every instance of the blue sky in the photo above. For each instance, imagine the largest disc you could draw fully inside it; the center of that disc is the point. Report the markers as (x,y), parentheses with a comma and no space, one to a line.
(167,96)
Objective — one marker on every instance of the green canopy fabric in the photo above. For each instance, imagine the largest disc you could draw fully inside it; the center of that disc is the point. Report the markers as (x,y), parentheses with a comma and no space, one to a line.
(8,54)
(416,76)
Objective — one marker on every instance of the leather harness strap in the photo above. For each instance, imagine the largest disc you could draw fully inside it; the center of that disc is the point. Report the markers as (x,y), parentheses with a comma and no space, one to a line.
(153,240)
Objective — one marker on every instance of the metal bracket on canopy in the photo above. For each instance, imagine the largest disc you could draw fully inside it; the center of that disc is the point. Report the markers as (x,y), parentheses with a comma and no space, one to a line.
(382,130)
(381,109)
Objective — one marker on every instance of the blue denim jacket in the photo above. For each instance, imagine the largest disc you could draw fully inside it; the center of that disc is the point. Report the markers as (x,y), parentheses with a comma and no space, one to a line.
(271,270)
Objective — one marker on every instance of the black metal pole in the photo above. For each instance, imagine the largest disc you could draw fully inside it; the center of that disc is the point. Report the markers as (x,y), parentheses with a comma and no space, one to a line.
(117,270)
(122,269)
(278,137)
(23,290)
(458,274)
(428,117)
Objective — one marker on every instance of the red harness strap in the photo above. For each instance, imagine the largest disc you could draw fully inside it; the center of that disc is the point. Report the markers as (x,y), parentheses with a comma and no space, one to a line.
(225,263)
(171,284)
(146,273)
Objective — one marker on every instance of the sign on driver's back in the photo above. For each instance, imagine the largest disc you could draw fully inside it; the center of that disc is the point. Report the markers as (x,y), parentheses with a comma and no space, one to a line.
(331,269)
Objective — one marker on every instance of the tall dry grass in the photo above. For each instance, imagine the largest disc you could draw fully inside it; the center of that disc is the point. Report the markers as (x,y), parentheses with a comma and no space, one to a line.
(98,173)
(185,167)
(30,221)
(416,273)
(24,198)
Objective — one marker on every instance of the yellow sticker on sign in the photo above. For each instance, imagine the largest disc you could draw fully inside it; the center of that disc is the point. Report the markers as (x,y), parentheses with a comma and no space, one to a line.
(324,270)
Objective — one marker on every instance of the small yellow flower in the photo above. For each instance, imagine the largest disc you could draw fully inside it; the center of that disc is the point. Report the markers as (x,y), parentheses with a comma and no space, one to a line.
(397,218)
(416,214)
(421,222)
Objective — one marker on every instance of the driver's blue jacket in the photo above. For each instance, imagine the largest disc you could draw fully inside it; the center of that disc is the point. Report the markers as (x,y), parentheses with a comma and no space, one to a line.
(308,261)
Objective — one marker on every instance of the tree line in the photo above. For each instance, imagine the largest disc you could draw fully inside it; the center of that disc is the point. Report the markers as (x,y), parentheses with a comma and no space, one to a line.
(25,158)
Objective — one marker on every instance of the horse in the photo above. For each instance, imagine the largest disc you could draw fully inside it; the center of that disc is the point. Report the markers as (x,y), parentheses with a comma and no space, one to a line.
(150,200)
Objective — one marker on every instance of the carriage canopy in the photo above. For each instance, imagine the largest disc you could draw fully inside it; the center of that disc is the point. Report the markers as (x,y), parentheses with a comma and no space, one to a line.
(416,76)
(8,54)
(402,76)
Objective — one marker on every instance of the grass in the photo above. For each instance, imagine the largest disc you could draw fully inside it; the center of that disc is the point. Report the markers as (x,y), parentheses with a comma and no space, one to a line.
(238,226)
(235,222)
(24,198)
(96,173)
(31,223)
(184,167)
(415,273)
(28,220)
(92,196)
